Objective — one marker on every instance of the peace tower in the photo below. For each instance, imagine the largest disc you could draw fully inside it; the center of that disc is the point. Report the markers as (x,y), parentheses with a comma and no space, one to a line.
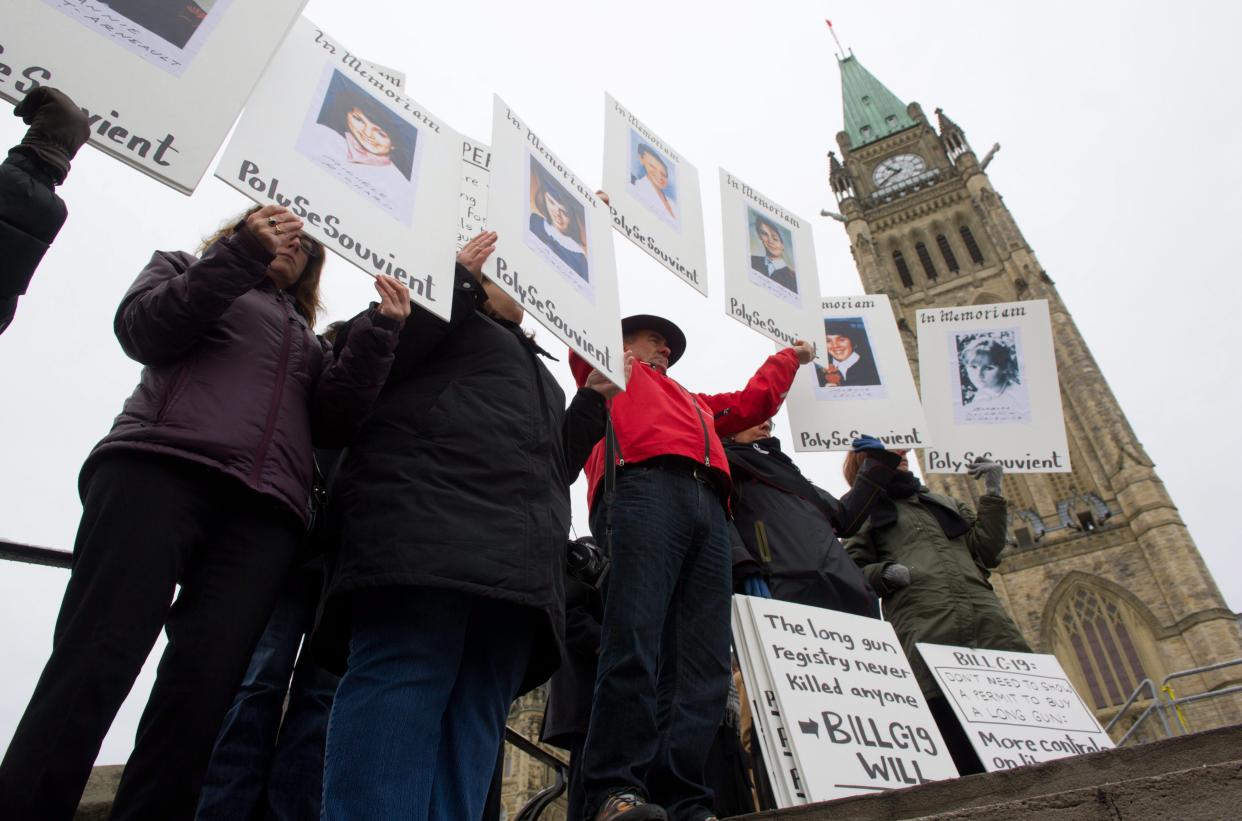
(1100,569)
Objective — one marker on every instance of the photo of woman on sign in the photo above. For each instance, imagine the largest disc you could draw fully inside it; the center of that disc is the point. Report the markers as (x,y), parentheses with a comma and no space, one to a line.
(364,144)
(174,20)
(557,228)
(165,33)
(989,375)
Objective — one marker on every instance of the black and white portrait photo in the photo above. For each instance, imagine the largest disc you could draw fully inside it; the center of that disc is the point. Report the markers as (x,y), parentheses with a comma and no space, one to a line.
(990,385)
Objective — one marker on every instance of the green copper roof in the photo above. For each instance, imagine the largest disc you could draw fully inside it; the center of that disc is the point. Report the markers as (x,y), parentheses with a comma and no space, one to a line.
(871,110)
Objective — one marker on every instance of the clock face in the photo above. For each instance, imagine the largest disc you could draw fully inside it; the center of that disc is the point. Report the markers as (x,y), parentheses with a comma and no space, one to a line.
(897,170)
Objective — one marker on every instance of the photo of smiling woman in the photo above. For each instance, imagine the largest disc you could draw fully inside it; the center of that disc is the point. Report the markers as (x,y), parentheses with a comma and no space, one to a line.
(361,142)
(990,388)
(558,229)
(771,257)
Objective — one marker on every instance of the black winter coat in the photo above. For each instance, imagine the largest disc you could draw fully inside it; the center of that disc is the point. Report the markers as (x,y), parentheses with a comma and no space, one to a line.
(30,217)
(785,529)
(459,477)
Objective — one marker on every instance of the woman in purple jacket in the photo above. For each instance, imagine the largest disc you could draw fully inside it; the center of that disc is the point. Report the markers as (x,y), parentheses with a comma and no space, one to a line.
(204,482)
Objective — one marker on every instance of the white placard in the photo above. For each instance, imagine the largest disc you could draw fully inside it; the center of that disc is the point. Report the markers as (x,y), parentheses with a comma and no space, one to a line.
(654,195)
(394,78)
(769,728)
(372,173)
(771,282)
(476,163)
(853,711)
(866,388)
(1017,708)
(989,382)
(161,83)
(554,250)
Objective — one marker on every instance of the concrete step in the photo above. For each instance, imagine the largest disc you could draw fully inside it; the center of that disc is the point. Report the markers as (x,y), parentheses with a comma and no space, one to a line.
(1169,764)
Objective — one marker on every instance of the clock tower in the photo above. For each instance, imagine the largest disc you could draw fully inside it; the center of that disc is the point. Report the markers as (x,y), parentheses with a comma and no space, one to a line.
(1100,569)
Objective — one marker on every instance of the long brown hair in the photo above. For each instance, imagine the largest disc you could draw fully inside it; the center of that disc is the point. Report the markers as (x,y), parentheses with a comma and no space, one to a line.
(305,292)
(853,462)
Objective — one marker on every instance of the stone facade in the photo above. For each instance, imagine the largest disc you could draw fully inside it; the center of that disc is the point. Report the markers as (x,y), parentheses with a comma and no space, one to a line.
(524,777)
(1101,570)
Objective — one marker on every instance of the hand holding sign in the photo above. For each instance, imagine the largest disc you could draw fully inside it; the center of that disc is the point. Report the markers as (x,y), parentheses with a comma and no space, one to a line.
(394,298)
(805,351)
(475,252)
(599,383)
(272,225)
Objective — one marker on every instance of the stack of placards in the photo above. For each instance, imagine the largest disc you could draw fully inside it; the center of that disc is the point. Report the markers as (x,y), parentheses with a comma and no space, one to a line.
(837,710)
(1016,708)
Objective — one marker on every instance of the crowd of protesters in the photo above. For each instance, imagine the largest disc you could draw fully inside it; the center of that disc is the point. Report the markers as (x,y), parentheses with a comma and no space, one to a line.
(356,545)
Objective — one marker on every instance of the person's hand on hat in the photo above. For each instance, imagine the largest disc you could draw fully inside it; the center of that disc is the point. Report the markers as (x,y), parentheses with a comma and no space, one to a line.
(805,351)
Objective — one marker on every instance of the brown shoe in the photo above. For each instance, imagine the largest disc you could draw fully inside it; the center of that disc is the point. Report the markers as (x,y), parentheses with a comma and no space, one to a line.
(628,805)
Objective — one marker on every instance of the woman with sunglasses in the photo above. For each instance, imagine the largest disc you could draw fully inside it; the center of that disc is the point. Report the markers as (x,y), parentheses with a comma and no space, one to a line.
(204,481)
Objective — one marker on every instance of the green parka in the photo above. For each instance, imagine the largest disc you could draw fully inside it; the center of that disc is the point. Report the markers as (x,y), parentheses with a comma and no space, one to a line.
(949,600)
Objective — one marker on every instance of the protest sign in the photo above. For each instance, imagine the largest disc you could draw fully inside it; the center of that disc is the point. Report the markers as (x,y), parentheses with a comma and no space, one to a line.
(370,172)
(654,195)
(866,387)
(771,281)
(1016,708)
(554,250)
(394,78)
(476,161)
(989,382)
(161,83)
(769,727)
(851,707)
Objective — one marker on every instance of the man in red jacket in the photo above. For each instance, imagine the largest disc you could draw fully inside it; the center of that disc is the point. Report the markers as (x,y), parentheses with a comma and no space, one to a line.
(664,646)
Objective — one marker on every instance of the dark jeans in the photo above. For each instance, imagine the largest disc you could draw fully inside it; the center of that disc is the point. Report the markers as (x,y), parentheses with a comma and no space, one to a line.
(663,678)
(420,712)
(148,523)
(263,766)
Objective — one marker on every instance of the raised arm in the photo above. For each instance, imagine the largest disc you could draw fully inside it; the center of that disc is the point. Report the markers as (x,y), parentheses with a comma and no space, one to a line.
(852,510)
(176,298)
(763,394)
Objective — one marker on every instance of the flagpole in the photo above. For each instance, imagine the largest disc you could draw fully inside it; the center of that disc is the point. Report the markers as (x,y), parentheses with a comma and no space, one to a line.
(833,32)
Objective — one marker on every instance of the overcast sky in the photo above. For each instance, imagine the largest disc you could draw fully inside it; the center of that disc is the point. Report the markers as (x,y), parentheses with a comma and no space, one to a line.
(1119,128)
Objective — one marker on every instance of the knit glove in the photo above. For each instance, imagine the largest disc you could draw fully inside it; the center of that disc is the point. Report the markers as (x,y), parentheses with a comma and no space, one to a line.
(896,576)
(865,443)
(989,472)
(756,586)
(58,128)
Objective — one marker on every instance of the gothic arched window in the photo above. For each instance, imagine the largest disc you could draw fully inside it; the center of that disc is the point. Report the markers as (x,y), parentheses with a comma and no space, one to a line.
(950,259)
(1097,635)
(972,247)
(903,270)
(929,267)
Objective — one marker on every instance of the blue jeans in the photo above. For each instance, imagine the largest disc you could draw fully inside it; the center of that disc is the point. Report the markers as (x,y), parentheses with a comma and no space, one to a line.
(421,710)
(263,767)
(663,678)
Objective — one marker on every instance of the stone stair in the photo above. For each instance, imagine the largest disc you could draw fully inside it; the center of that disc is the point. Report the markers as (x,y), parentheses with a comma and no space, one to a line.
(1188,778)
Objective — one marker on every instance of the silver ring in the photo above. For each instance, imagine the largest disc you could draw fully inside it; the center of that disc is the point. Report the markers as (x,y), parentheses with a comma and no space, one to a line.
(271,221)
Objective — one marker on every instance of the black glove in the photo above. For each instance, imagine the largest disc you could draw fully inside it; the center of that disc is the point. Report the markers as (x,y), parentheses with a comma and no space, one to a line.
(896,576)
(58,128)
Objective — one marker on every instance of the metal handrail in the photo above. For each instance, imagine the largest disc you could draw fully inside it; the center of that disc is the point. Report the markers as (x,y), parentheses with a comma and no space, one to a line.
(1175,701)
(1155,707)
(51,557)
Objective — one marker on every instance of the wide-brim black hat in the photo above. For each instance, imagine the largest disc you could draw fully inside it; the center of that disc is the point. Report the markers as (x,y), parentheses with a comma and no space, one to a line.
(673,335)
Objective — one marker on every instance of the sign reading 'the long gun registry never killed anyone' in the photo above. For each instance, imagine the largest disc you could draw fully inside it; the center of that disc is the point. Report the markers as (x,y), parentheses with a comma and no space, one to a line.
(554,250)
(866,387)
(373,175)
(850,705)
(654,195)
(161,83)
(1016,708)
(989,380)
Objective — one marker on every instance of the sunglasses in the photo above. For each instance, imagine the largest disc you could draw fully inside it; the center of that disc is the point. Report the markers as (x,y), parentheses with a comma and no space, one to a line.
(312,249)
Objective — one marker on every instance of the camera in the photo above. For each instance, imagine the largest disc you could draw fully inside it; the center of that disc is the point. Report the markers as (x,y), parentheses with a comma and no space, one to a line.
(586,561)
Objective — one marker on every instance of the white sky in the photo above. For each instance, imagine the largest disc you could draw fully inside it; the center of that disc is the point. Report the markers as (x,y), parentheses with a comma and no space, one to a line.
(1118,122)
